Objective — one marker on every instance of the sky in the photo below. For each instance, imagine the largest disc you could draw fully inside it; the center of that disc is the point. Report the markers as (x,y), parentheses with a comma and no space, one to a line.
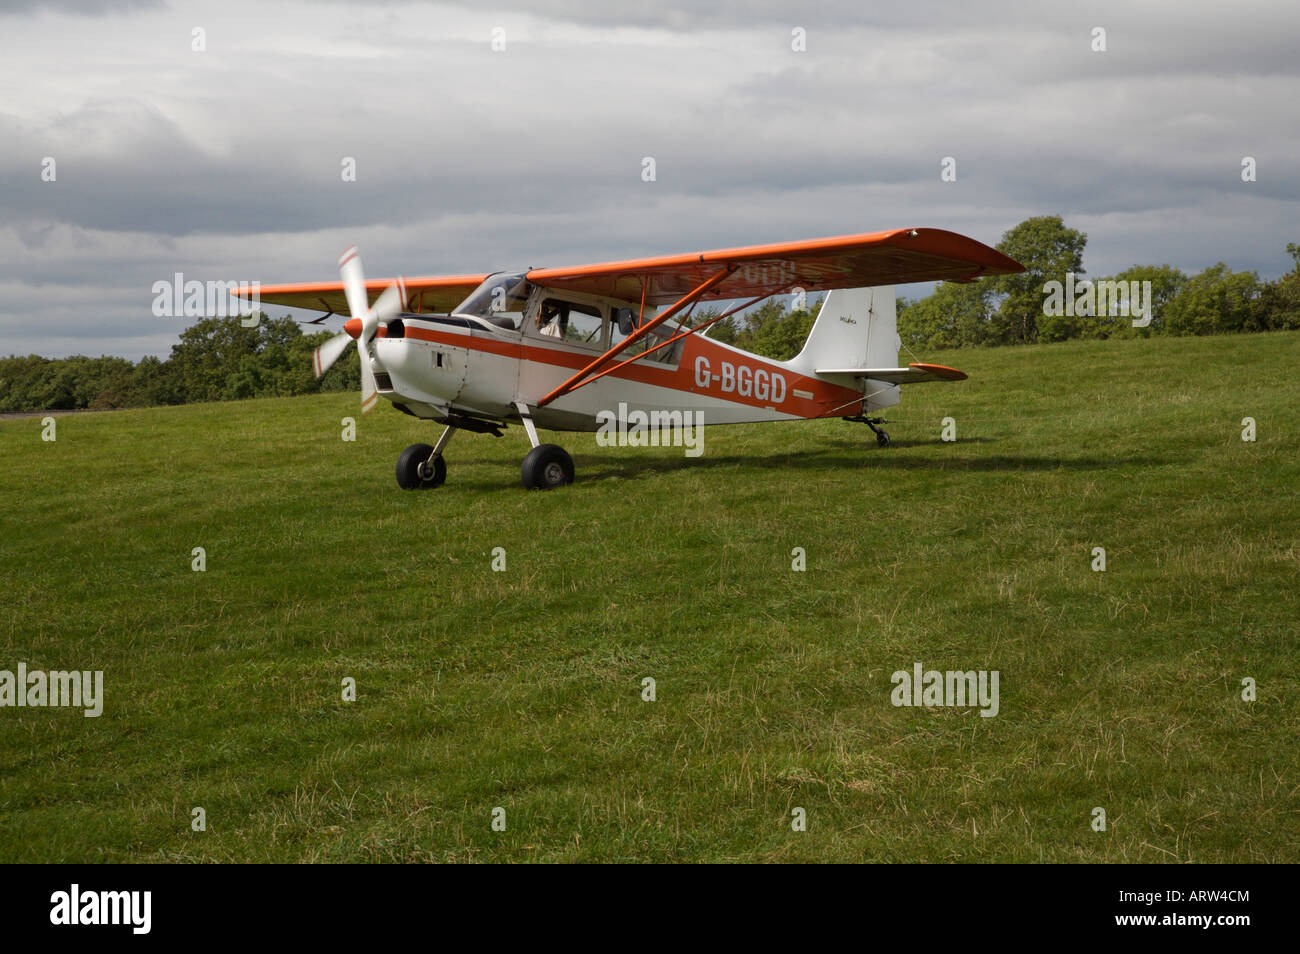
(210,138)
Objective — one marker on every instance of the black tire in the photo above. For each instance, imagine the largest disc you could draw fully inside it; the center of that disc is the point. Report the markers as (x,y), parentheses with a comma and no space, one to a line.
(409,465)
(547,466)
(882,439)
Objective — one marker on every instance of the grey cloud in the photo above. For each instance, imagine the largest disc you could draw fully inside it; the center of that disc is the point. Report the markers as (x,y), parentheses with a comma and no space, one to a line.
(92,8)
(226,164)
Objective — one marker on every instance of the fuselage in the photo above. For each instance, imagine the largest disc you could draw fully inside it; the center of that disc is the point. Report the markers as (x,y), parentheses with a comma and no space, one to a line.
(441,366)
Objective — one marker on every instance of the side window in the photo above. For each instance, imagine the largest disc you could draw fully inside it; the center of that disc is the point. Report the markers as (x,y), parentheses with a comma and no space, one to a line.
(625,319)
(585,324)
(581,324)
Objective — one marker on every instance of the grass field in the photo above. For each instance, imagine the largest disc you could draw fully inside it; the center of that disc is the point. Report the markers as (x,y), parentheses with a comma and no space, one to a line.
(523,690)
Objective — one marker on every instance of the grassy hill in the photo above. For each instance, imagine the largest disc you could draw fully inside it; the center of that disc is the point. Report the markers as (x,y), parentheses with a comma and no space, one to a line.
(523,690)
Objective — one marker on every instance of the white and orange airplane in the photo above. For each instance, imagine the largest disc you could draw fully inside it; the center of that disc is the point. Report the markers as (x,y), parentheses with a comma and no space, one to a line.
(555,347)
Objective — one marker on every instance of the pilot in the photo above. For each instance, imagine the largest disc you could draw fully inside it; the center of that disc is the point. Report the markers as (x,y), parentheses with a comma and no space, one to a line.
(550,319)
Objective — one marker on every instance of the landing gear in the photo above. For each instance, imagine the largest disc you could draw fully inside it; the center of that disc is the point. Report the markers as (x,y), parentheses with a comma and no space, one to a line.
(882,438)
(413,472)
(421,467)
(547,465)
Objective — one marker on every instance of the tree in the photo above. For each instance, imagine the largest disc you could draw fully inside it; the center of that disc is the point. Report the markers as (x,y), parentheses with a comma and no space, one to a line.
(1166,282)
(1215,301)
(18,377)
(1279,301)
(158,382)
(1048,250)
(955,315)
(209,356)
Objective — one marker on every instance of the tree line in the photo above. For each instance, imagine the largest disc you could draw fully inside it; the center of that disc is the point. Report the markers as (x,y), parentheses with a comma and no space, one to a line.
(216,359)
(219,359)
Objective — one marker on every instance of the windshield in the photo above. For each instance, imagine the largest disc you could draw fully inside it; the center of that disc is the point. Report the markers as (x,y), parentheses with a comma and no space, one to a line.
(500,299)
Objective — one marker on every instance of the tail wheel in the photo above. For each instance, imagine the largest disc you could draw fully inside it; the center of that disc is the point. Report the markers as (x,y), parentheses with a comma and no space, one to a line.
(882,438)
(547,466)
(414,474)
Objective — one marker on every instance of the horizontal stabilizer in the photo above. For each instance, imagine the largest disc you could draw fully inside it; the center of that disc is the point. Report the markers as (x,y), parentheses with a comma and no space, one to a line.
(912,374)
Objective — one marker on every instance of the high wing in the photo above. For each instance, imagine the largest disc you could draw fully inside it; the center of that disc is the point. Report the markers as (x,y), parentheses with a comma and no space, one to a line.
(439,293)
(897,257)
(912,374)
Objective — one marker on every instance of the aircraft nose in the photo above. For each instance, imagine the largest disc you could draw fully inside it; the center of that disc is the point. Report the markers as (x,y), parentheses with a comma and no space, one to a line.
(353,327)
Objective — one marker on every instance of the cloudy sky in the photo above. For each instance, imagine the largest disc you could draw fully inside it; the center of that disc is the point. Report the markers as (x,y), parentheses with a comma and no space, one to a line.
(225,163)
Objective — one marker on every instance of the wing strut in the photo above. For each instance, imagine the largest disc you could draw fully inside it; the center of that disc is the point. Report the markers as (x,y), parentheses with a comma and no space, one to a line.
(691,296)
(682,334)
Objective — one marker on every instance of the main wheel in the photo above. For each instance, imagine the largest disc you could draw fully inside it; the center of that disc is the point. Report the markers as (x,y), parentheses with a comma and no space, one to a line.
(412,474)
(882,439)
(547,466)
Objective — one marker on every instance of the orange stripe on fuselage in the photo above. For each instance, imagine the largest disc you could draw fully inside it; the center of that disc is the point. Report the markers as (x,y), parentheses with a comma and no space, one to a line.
(827,399)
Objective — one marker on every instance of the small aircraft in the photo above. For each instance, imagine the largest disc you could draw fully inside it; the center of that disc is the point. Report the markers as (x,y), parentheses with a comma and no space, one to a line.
(553,348)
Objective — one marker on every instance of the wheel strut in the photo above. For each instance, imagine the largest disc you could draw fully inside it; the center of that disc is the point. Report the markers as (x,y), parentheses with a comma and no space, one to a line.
(426,469)
(882,438)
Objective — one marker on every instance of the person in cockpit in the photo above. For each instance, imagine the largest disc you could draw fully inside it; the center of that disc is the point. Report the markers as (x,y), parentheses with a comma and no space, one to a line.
(551,319)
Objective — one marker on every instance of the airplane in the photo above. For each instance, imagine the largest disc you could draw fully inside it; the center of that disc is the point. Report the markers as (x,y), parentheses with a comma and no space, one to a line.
(553,348)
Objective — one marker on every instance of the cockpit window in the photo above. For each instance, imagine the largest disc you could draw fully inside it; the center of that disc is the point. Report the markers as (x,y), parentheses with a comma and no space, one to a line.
(574,322)
(500,300)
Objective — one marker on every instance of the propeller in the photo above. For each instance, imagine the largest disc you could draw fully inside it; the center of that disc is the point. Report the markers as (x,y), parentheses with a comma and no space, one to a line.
(387,305)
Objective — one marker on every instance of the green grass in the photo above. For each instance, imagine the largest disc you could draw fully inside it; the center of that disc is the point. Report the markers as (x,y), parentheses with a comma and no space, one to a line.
(522,689)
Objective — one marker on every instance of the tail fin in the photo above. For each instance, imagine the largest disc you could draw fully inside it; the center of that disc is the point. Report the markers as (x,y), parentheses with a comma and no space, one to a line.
(856,328)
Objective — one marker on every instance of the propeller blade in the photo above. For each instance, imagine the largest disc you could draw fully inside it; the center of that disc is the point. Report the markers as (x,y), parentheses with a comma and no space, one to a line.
(354,282)
(369,393)
(323,358)
(388,305)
